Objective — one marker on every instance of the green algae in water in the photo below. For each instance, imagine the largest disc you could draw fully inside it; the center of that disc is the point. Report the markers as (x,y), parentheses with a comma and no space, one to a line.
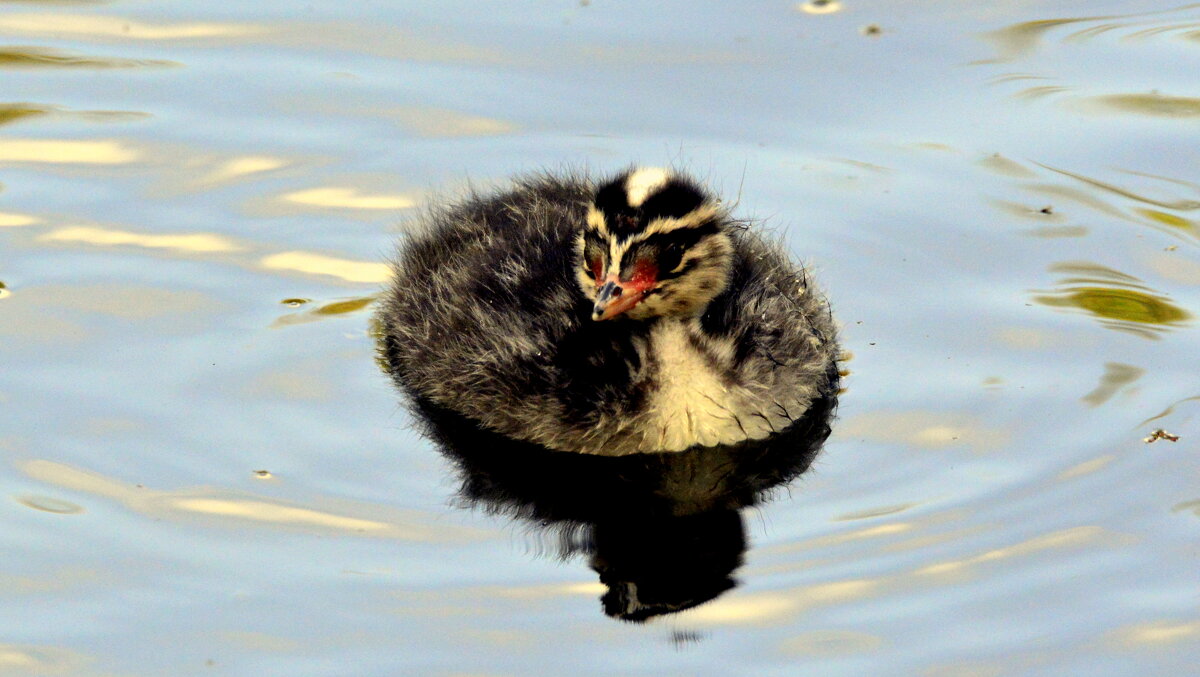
(324,311)
(1120,301)
(1127,305)
(344,307)
(1172,221)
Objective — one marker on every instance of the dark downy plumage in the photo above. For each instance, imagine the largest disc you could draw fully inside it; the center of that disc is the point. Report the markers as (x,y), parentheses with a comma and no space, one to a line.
(633,316)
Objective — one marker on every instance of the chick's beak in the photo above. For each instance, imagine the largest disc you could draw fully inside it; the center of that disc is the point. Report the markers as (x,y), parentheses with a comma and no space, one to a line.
(615,297)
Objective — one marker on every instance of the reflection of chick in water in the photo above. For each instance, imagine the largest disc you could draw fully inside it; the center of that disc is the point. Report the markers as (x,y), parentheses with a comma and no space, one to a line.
(663,530)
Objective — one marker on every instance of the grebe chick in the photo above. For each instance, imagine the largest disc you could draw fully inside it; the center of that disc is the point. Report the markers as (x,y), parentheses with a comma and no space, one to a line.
(633,316)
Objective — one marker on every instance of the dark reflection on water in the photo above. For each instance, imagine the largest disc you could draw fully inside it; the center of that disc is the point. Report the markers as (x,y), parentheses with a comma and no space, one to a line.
(663,531)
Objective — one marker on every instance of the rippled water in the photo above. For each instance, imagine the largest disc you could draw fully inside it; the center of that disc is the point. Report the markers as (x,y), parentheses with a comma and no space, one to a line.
(204,470)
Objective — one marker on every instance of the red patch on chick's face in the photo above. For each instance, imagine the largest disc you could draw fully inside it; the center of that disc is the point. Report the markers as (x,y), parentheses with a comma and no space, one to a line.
(597,270)
(619,295)
(645,276)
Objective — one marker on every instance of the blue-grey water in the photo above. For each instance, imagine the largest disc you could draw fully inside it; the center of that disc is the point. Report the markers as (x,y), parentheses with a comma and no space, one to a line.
(203,470)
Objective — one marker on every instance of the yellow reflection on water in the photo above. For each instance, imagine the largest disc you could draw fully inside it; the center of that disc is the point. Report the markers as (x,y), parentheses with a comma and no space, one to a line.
(47,314)
(62,151)
(1007,167)
(261,641)
(549,590)
(95,26)
(11,220)
(1087,467)
(185,242)
(767,608)
(25,659)
(347,198)
(246,165)
(747,609)
(126,301)
(875,531)
(923,429)
(1156,634)
(1076,537)
(831,643)
(819,6)
(51,579)
(225,508)
(293,385)
(439,122)
(319,264)
(1118,300)
(875,512)
(1029,338)
(266,511)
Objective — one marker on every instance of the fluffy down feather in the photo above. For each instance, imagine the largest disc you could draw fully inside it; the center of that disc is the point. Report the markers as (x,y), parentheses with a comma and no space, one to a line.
(486,317)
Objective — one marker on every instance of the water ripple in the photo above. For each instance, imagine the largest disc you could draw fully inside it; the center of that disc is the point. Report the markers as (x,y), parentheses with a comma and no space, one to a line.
(42,57)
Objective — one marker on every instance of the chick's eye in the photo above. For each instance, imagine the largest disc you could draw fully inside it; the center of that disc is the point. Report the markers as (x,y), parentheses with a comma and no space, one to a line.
(595,267)
(670,257)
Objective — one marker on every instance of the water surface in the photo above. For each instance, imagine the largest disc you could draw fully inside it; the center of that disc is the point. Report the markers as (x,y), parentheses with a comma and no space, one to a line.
(204,471)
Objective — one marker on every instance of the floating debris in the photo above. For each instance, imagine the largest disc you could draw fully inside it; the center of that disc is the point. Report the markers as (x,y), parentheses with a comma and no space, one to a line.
(263,474)
(871,30)
(325,310)
(1048,209)
(1160,434)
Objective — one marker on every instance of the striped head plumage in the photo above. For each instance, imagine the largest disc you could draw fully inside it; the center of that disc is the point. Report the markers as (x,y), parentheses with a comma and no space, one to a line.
(654,244)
